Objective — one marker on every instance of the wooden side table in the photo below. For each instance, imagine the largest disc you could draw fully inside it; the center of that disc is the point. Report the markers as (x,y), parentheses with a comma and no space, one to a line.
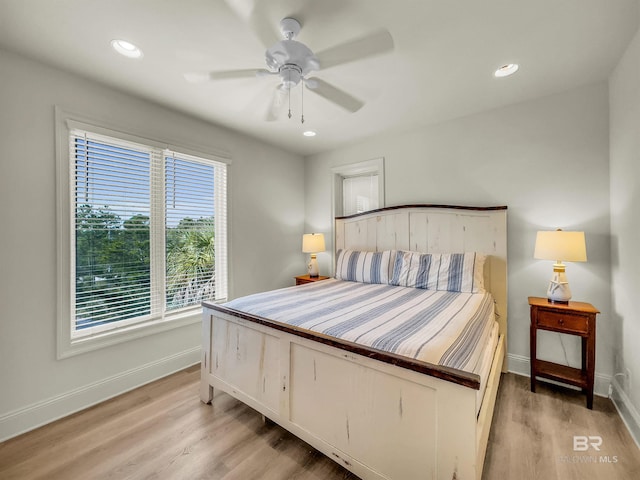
(576,318)
(302,279)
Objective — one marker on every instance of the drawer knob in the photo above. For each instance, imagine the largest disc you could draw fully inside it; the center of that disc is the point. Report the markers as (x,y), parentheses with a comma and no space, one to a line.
(561,321)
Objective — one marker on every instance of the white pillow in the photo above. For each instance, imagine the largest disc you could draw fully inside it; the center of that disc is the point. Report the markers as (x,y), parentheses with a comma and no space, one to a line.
(366,267)
(453,272)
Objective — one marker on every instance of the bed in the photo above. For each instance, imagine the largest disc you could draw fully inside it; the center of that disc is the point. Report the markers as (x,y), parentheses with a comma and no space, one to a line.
(388,399)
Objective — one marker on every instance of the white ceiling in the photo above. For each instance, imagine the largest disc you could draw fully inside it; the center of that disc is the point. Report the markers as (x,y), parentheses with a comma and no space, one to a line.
(441,68)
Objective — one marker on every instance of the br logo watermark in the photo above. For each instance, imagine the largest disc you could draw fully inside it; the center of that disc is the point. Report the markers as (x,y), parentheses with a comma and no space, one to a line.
(592,445)
(582,443)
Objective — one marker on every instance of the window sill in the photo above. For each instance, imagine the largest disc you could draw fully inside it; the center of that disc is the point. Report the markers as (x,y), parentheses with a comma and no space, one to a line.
(68,347)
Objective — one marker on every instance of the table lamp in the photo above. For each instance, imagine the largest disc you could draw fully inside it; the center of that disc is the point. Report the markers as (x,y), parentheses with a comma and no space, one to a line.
(313,243)
(560,246)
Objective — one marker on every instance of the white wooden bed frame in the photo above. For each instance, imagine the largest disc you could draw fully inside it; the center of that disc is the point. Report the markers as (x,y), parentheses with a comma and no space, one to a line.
(379,415)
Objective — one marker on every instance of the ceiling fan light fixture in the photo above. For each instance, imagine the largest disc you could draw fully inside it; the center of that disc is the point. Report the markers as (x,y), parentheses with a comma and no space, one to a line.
(290,76)
(126,49)
(506,70)
(309,133)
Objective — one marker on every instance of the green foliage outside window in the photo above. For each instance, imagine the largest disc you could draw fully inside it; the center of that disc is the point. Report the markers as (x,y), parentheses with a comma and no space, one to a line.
(190,262)
(113,274)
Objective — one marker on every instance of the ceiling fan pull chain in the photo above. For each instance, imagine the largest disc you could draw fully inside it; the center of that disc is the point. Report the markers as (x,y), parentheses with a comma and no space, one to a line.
(302,103)
(289,90)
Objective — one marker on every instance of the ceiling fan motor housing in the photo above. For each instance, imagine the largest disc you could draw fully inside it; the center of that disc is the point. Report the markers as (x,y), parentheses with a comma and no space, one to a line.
(291,52)
(291,59)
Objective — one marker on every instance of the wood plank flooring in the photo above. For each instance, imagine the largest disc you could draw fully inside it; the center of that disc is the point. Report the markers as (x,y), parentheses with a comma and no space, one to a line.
(532,436)
(162,431)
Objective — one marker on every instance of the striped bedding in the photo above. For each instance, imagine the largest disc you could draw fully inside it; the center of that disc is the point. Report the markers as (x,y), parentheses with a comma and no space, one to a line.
(438,327)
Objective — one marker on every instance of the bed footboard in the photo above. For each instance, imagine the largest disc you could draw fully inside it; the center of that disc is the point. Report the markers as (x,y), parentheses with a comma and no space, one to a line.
(378,420)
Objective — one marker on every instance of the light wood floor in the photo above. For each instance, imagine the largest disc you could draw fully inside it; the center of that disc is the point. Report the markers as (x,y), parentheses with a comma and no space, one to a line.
(162,431)
(532,436)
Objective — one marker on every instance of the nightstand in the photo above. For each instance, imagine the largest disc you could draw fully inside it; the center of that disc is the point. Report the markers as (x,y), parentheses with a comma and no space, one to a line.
(576,318)
(302,279)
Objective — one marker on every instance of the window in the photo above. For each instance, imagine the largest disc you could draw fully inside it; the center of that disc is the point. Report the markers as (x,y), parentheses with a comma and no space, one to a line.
(358,187)
(359,193)
(146,238)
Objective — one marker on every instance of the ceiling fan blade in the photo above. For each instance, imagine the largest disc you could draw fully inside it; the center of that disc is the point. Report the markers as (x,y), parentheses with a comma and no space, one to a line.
(335,95)
(276,104)
(200,77)
(311,82)
(258,22)
(369,45)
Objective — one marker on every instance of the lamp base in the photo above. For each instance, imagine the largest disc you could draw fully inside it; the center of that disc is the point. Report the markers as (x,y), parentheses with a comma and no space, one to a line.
(558,302)
(312,267)
(559,291)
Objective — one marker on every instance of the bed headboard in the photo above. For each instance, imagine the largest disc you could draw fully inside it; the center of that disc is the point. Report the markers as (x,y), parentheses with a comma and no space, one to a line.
(436,229)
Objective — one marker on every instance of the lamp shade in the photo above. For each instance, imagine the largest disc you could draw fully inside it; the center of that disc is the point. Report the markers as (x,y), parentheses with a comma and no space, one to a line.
(561,246)
(313,243)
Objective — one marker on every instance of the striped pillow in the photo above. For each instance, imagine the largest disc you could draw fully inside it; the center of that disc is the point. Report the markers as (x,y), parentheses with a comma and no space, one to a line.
(453,272)
(366,267)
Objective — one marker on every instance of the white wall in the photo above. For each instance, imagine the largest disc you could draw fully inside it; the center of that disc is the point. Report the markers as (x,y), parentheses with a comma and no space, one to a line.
(546,159)
(266,197)
(624,95)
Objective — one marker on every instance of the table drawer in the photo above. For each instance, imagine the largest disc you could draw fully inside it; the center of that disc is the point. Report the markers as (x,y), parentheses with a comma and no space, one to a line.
(563,321)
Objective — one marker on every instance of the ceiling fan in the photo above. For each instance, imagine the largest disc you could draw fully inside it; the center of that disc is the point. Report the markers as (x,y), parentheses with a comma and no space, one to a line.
(292,61)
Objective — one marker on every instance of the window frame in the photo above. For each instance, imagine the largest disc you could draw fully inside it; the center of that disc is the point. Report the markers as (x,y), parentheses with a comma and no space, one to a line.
(69,344)
(338,173)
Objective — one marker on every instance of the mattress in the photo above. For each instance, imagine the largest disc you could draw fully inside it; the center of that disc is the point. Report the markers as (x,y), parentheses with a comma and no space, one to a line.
(456,330)
(484,368)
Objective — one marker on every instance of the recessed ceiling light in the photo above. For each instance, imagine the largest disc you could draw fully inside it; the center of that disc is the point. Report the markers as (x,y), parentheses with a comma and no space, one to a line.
(127,49)
(506,70)
(309,133)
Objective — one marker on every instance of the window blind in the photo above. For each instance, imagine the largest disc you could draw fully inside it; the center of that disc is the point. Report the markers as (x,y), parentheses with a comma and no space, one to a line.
(150,231)
(189,230)
(359,194)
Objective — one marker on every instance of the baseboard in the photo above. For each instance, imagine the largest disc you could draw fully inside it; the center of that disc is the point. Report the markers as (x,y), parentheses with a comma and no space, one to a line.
(627,411)
(520,365)
(46,411)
